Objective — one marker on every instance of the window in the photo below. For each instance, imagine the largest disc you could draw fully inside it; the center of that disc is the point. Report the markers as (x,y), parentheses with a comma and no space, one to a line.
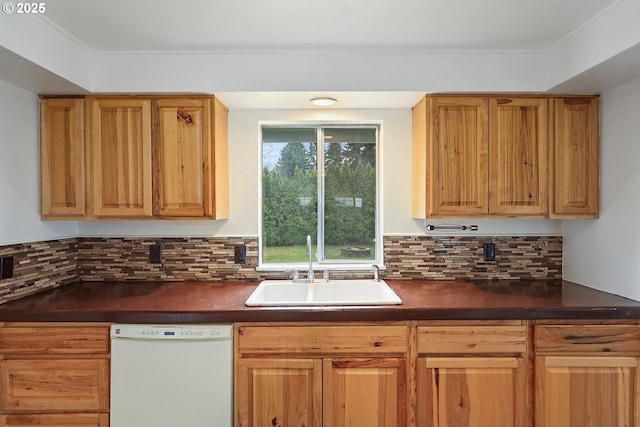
(319,181)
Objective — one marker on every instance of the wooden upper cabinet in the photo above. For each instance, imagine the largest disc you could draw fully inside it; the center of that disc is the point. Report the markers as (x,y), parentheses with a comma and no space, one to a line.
(450,155)
(491,156)
(183,158)
(190,158)
(575,187)
(121,157)
(62,154)
(518,144)
(142,158)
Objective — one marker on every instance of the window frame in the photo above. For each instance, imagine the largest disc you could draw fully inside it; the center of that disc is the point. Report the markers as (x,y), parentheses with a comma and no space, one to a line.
(340,265)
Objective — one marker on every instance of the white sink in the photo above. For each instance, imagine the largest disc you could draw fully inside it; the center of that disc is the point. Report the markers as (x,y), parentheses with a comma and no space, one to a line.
(337,292)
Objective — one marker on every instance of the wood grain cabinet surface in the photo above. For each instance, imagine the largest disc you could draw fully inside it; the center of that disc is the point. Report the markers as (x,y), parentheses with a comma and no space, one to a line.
(520,156)
(472,374)
(575,188)
(354,375)
(63,159)
(148,157)
(518,145)
(120,135)
(587,375)
(54,374)
(450,157)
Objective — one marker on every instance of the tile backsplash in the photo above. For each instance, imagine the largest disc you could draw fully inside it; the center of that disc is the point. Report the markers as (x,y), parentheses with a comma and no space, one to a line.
(44,265)
(39,266)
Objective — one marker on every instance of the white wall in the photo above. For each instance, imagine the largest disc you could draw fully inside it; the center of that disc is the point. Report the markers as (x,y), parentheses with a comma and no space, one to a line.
(20,172)
(605,253)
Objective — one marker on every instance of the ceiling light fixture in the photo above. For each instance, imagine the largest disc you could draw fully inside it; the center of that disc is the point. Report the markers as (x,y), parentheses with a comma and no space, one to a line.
(323,102)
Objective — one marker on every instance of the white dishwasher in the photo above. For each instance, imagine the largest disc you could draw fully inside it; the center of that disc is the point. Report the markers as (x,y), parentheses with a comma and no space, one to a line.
(171,375)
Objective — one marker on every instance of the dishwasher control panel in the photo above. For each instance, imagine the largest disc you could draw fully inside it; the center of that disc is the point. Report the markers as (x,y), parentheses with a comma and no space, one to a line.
(168,332)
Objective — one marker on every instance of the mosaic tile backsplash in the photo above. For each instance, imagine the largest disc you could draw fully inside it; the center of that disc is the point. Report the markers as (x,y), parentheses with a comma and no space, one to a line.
(44,265)
(39,266)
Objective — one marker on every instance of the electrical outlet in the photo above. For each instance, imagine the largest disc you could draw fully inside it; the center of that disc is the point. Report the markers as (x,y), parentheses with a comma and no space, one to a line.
(489,251)
(6,267)
(155,254)
(240,254)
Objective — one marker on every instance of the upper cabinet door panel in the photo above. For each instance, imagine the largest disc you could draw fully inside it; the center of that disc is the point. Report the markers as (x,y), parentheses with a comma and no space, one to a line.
(457,151)
(182,158)
(62,152)
(575,192)
(519,134)
(121,153)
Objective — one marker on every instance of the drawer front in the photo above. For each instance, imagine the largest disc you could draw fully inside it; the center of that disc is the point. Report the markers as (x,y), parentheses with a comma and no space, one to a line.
(54,384)
(322,339)
(54,420)
(587,339)
(54,340)
(472,339)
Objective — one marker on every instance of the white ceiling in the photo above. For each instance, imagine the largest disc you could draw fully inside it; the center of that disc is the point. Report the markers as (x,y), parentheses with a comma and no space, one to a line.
(207,25)
(232,32)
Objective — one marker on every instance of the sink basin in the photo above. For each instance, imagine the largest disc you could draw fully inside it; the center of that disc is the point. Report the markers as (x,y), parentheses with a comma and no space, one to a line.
(337,292)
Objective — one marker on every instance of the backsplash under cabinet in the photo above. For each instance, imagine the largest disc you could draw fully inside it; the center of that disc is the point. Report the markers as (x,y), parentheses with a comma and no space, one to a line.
(43,265)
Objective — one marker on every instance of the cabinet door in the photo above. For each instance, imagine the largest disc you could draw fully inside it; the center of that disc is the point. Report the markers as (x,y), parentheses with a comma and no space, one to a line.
(62,154)
(54,384)
(575,192)
(365,392)
(456,166)
(121,153)
(54,420)
(471,391)
(182,160)
(587,391)
(518,175)
(278,392)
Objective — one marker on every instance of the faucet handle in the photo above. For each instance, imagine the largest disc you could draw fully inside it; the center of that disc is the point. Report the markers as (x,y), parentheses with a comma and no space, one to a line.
(295,273)
(325,275)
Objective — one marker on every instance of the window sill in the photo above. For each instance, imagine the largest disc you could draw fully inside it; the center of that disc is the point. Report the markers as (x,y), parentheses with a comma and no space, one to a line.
(342,267)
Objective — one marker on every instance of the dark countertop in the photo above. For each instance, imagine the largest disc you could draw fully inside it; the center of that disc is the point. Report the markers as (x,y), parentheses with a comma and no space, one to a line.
(218,302)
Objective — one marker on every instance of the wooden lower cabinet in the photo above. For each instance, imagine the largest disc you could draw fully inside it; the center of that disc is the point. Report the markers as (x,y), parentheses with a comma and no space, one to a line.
(587,391)
(279,392)
(365,392)
(42,384)
(472,374)
(471,391)
(587,375)
(54,420)
(348,375)
(317,392)
(54,374)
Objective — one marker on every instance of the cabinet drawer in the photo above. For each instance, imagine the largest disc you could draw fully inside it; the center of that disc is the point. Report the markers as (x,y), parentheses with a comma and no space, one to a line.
(472,339)
(322,339)
(54,384)
(55,420)
(54,340)
(587,339)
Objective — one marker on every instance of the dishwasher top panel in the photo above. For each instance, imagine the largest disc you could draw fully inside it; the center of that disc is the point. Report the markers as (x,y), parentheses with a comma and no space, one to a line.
(172,332)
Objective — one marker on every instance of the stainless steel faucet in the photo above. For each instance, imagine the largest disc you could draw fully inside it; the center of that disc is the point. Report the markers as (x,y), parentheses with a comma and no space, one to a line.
(376,272)
(310,274)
